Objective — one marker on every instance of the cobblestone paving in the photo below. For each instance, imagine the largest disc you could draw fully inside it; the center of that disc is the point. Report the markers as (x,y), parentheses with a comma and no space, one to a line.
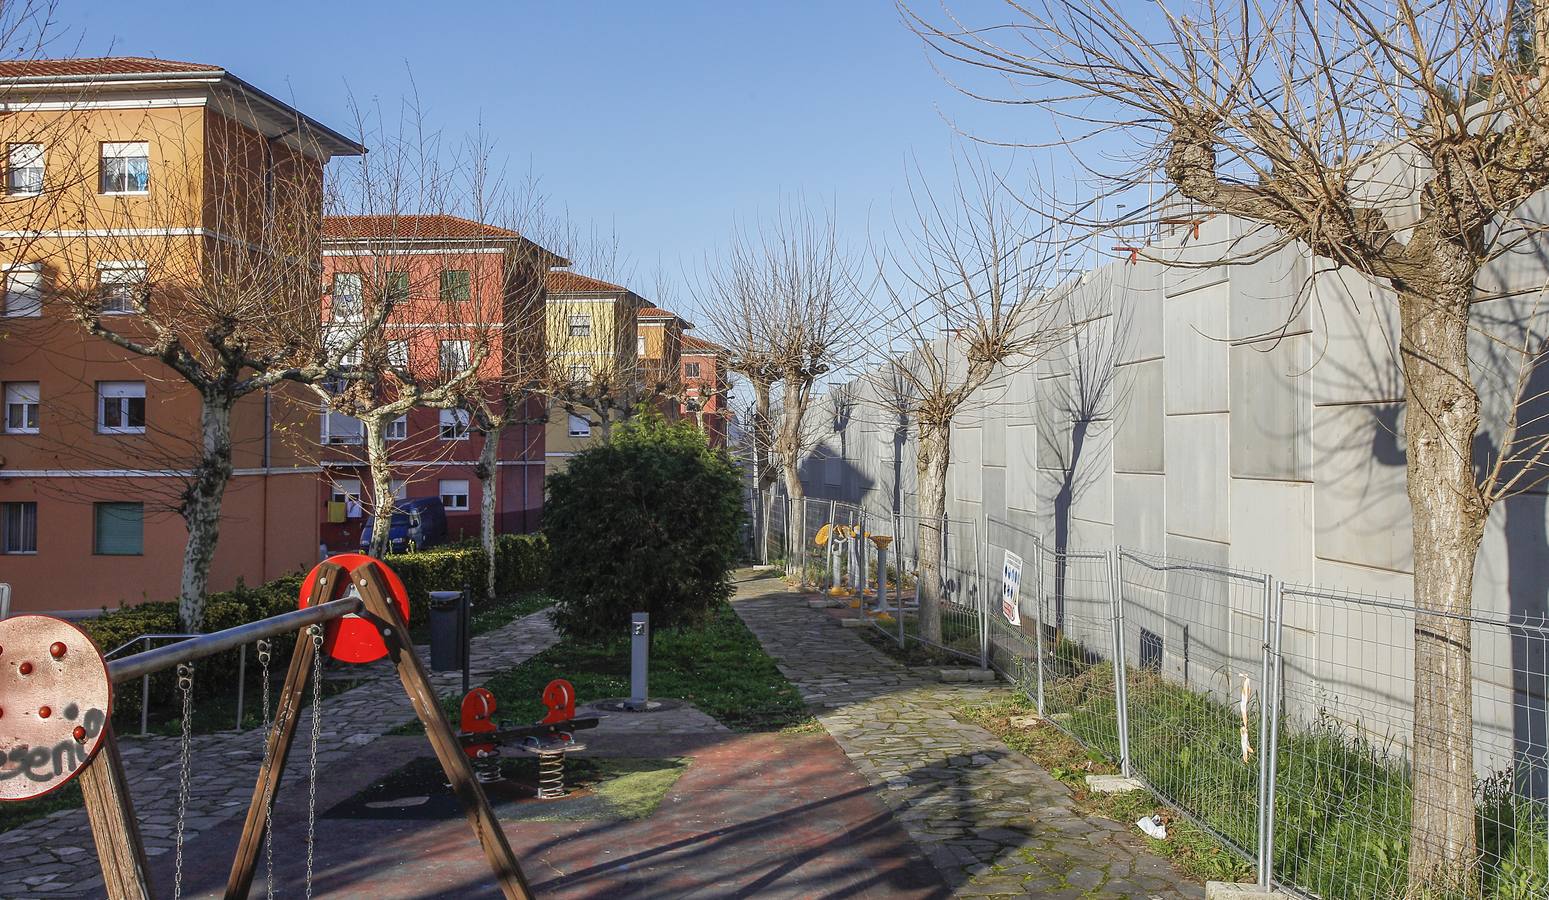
(990,820)
(55,856)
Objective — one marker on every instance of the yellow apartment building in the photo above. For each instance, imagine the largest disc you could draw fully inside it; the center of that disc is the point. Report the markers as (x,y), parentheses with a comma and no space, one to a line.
(592,336)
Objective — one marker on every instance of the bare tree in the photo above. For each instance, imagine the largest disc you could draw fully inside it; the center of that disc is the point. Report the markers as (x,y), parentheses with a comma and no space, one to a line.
(1400,141)
(970,299)
(785,301)
(222,292)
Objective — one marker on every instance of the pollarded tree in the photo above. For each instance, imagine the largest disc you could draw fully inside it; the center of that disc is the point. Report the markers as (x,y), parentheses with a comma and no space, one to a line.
(968,280)
(1399,140)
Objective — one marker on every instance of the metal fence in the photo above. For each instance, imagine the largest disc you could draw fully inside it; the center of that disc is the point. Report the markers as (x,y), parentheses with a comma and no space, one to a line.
(1276,717)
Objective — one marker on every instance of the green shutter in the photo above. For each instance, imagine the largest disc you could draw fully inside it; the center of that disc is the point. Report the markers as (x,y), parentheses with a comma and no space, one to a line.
(120,529)
(456,284)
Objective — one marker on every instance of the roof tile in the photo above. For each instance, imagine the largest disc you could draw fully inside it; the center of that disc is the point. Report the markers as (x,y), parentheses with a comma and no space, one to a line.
(101,65)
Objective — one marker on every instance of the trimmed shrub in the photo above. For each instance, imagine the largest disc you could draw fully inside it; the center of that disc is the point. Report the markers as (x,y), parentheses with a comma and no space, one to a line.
(646,522)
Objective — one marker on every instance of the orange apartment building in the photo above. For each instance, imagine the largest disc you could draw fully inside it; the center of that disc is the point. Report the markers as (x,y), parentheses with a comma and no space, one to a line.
(460,284)
(96,444)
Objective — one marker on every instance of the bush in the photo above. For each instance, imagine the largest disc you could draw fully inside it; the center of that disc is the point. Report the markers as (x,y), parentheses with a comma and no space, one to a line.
(521,564)
(646,522)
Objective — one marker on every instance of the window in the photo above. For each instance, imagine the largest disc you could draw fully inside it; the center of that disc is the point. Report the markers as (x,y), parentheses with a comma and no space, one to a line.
(398,429)
(691,370)
(24,290)
(346,296)
(454,424)
(456,285)
(18,527)
(120,529)
(121,407)
(454,357)
(126,168)
(347,491)
(122,287)
(579,427)
(21,407)
(398,354)
(339,428)
(24,169)
(580,373)
(454,493)
(640,345)
(400,489)
(581,326)
(397,286)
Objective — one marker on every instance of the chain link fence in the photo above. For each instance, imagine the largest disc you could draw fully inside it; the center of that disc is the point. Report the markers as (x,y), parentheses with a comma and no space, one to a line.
(1279,718)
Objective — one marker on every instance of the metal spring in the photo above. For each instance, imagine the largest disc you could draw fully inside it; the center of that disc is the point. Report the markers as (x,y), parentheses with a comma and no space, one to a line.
(551,774)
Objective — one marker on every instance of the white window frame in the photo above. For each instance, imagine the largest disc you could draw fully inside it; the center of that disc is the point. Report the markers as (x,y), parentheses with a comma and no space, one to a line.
(455,424)
(354,309)
(35,309)
(122,391)
(463,353)
(580,325)
(122,288)
(24,157)
(340,491)
(398,353)
(346,438)
(397,429)
(452,490)
(123,150)
(692,370)
(17,399)
(400,489)
(640,345)
(580,426)
(580,373)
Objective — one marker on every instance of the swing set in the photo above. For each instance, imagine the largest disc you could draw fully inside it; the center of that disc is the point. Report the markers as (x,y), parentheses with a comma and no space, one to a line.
(56,720)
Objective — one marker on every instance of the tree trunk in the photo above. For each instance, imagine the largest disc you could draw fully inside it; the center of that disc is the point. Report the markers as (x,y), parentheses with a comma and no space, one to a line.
(201,509)
(795,526)
(931,470)
(381,470)
(488,470)
(763,471)
(1442,418)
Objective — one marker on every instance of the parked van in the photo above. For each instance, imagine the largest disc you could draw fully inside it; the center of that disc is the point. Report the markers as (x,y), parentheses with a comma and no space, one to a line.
(417,524)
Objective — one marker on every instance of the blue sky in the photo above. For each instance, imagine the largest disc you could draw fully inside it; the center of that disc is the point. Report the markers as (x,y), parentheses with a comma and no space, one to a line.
(662,120)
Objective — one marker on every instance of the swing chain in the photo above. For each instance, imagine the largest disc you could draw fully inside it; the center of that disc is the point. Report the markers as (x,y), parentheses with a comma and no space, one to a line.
(185,685)
(264,651)
(316,634)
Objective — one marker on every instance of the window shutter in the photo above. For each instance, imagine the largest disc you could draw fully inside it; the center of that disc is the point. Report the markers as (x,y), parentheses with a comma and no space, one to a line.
(120,529)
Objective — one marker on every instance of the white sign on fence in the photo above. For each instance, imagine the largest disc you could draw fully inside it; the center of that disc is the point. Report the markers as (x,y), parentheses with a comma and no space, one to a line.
(1011,588)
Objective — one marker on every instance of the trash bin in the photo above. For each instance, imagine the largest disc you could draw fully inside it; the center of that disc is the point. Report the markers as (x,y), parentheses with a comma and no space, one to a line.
(447,640)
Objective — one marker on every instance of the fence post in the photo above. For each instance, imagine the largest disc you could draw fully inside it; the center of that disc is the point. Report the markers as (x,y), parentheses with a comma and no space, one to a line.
(898,582)
(1269,746)
(1038,622)
(1120,679)
(981,576)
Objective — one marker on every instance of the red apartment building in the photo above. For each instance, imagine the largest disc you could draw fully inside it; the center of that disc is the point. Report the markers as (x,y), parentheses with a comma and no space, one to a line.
(459,282)
(705,387)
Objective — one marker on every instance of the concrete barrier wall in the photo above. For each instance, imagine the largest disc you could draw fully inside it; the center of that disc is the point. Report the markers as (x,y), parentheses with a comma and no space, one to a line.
(1246,416)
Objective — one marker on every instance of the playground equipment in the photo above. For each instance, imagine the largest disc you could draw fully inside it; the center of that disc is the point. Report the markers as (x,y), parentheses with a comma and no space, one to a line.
(840,540)
(549,740)
(882,542)
(56,720)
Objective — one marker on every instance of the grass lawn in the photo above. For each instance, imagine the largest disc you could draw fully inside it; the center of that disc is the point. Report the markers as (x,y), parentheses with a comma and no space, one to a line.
(719,667)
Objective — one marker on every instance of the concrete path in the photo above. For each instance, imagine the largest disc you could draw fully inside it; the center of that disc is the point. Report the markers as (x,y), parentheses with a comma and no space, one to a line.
(991,821)
(55,856)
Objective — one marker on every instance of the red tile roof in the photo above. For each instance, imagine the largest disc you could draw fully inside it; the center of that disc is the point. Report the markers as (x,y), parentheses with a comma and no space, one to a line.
(102,65)
(696,346)
(565,282)
(410,228)
(652,312)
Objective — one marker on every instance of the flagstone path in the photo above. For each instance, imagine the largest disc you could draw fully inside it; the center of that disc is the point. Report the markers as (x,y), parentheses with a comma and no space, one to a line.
(990,820)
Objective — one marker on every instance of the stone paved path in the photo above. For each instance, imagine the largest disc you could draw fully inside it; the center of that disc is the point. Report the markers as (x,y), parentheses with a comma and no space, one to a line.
(991,821)
(55,856)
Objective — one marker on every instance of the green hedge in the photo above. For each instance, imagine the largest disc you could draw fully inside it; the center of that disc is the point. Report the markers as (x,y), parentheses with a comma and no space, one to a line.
(522,562)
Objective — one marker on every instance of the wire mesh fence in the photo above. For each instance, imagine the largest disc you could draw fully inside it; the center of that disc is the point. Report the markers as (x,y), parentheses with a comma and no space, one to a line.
(959,626)
(1280,718)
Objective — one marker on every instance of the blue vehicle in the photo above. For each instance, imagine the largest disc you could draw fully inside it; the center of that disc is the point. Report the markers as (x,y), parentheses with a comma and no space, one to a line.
(416,525)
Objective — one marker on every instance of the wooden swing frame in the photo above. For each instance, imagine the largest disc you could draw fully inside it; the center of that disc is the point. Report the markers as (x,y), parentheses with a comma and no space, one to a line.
(114,828)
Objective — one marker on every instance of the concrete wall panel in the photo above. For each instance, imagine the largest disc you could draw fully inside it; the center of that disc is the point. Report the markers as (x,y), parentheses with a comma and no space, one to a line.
(1362,508)
(1197,480)
(1195,326)
(1271,393)
(1138,444)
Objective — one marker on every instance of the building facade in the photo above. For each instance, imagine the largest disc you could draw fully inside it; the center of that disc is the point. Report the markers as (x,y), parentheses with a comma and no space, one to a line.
(593,340)
(705,387)
(464,290)
(121,185)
